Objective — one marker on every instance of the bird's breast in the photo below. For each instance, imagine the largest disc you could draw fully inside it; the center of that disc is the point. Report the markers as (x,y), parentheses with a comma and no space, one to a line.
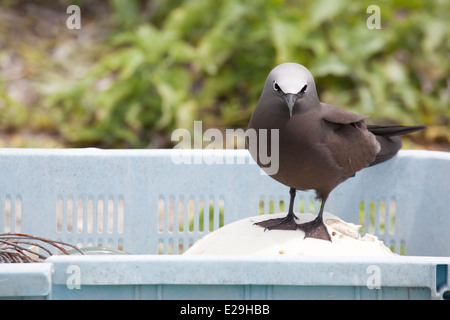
(299,149)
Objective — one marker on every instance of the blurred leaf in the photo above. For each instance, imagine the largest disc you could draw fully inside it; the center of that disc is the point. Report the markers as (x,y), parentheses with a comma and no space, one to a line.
(330,65)
(12,113)
(127,12)
(435,33)
(323,10)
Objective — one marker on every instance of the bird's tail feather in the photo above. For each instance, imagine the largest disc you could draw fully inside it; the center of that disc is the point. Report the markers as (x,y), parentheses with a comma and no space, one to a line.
(389,131)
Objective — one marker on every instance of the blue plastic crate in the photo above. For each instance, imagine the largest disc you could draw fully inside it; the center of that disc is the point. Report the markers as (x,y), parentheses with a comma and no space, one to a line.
(147,204)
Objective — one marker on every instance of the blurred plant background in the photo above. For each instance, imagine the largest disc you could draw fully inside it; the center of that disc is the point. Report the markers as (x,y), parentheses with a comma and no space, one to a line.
(137,70)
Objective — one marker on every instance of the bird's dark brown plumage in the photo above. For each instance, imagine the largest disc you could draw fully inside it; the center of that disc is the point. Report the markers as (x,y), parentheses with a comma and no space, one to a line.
(320,145)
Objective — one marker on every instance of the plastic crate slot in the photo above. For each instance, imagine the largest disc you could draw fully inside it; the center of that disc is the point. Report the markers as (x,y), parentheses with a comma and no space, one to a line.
(18,215)
(191,214)
(179,216)
(100,215)
(382,221)
(169,249)
(6,215)
(171,214)
(281,207)
(160,214)
(201,217)
(110,215)
(377,217)
(214,212)
(441,277)
(11,218)
(120,215)
(402,248)
(90,215)
(160,247)
(173,246)
(398,247)
(392,216)
(182,214)
(270,206)
(180,247)
(210,214)
(307,206)
(80,216)
(69,215)
(166,209)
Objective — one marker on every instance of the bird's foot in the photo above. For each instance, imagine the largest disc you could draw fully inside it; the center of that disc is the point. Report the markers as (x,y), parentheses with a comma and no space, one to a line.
(315,229)
(286,223)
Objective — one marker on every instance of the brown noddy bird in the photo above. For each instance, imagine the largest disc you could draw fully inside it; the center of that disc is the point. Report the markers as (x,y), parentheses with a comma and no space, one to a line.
(320,145)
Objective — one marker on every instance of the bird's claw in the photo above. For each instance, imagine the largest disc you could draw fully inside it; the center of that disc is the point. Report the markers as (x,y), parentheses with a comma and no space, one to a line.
(286,223)
(315,229)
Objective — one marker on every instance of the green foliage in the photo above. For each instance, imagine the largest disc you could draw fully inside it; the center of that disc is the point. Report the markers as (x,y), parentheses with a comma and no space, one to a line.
(13,113)
(167,63)
(209,220)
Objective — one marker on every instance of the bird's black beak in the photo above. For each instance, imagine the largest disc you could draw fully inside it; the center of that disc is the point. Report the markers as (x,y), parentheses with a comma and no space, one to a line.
(290,99)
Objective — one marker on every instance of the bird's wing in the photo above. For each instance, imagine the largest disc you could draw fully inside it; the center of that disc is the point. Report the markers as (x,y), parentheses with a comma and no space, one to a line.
(389,142)
(389,147)
(337,115)
(352,146)
(389,131)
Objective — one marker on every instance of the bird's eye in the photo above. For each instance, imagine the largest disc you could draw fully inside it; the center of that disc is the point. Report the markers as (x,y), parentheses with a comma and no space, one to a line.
(276,87)
(304,88)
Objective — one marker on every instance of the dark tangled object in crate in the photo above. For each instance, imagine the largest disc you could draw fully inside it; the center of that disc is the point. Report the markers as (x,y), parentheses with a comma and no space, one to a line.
(18,248)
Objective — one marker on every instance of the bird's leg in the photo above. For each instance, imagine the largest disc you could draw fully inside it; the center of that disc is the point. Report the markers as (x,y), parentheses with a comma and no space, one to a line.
(286,223)
(316,228)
